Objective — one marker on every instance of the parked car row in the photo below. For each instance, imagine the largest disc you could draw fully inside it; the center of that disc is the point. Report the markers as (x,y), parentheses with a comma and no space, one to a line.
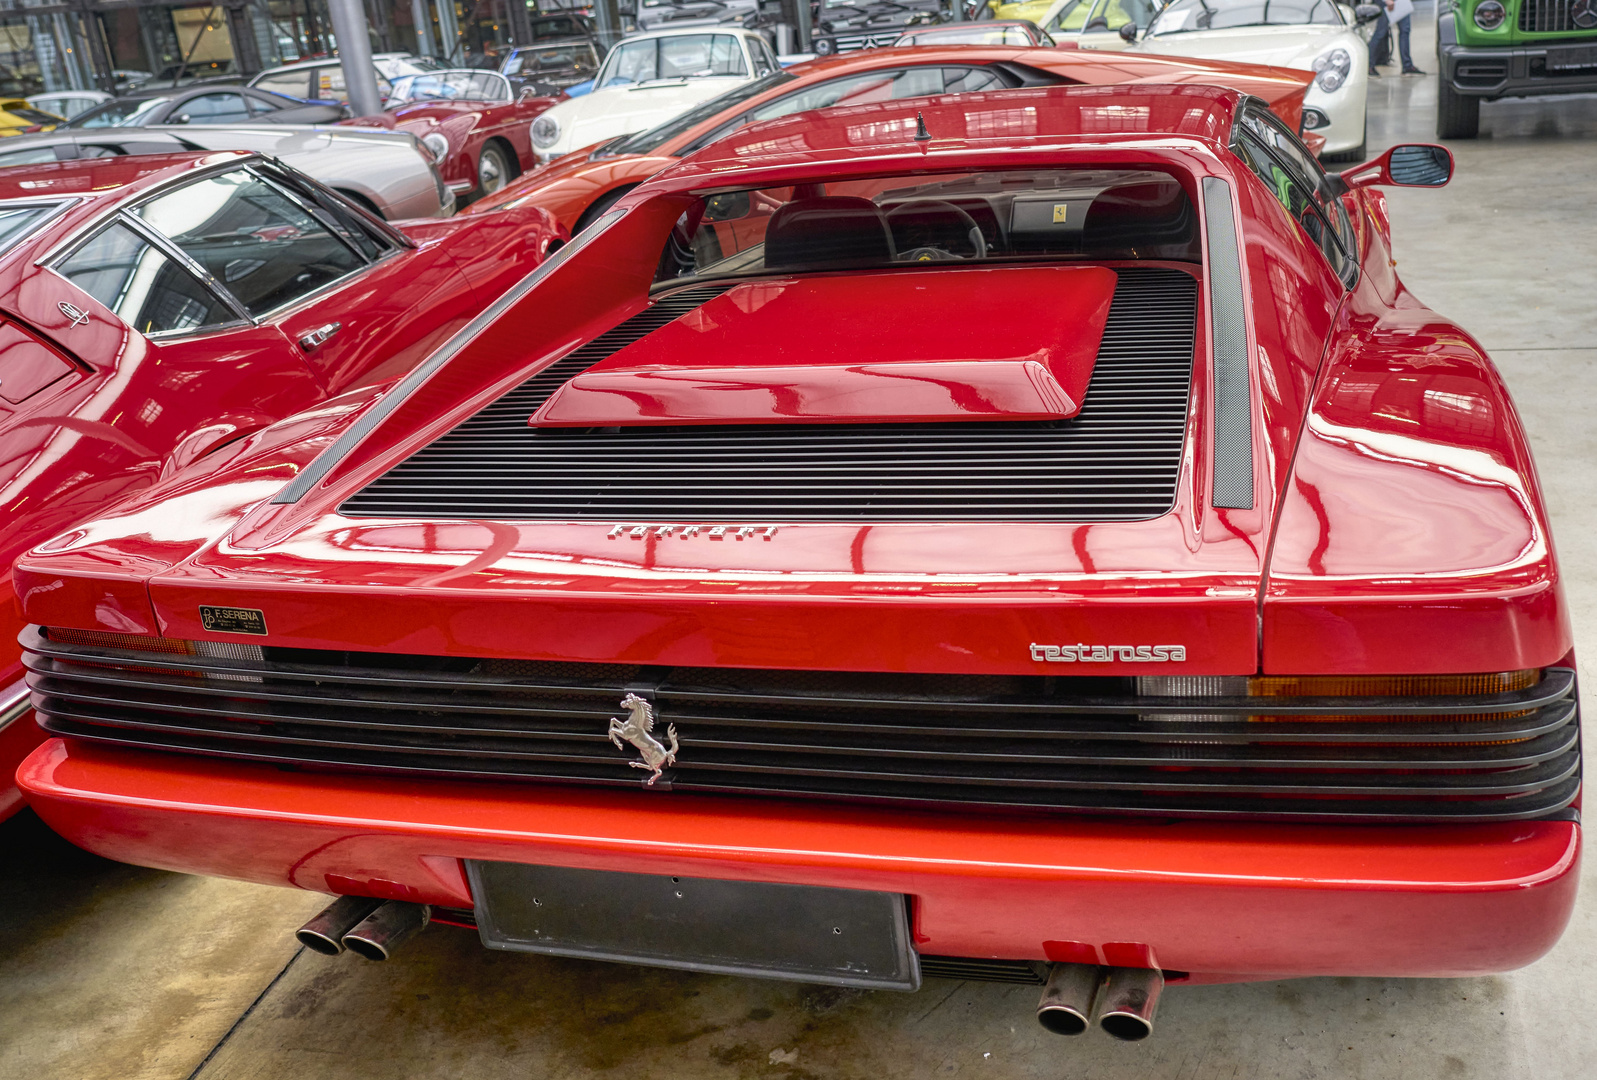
(674,544)
(738,593)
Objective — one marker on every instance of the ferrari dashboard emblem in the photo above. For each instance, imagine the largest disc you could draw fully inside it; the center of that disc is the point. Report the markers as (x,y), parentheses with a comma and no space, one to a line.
(636,729)
(77,316)
(1060,209)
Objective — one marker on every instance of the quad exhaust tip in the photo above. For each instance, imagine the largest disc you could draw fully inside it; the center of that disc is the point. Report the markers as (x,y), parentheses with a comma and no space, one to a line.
(1123,1000)
(364,926)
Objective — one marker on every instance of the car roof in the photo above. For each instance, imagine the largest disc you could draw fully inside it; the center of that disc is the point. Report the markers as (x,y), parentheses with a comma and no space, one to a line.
(684,31)
(178,91)
(1036,116)
(107,177)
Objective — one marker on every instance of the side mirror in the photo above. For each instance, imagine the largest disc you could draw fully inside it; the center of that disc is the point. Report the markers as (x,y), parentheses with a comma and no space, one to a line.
(1128,33)
(1365,13)
(182,118)
(1407,165)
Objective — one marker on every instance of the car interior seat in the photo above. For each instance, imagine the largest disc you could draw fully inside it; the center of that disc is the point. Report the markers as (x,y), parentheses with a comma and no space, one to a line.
(828,231)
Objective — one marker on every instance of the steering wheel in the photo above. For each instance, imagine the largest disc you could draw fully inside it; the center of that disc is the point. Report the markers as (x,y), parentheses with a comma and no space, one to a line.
(930,253)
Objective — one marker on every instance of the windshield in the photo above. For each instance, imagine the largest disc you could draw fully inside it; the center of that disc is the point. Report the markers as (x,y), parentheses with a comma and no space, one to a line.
(1184,16)
(686,56)
(124,113)
(975,34)
(573,56)
(17,222)
(952,218)
(416,64)
(450,86)
(647,141)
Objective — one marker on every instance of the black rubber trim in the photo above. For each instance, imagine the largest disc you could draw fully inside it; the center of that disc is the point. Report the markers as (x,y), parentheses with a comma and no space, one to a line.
(1233,404)
(324,462)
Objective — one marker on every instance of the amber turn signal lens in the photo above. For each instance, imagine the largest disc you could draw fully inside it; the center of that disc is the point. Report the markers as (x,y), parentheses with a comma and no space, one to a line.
(135,642)
(1500,682)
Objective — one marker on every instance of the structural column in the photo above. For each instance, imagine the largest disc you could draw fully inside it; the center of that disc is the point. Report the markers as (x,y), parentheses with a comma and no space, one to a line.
(607,16)
(241,29)
(423,19)
(99,58)
(448,32)
(355,56)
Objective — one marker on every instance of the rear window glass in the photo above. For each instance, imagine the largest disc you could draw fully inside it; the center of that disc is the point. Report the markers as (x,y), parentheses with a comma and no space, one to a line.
(956,219)
(126,112)
(17,222)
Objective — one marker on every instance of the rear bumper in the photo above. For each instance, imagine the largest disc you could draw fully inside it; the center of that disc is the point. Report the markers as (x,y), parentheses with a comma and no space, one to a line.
(1218,900)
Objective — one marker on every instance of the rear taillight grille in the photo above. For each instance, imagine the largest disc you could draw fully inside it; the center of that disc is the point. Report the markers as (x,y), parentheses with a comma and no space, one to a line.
(1056,744)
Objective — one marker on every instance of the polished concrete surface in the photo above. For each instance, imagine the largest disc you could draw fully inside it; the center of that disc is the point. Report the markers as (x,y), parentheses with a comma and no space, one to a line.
(109,971)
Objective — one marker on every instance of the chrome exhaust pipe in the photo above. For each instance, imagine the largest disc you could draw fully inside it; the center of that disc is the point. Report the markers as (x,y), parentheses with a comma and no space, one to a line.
(1127,999)
(384,930)
(1066,1004)
(325,933)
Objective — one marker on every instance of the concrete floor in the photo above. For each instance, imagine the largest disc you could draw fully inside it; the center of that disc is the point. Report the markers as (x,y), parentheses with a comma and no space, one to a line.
(109,971)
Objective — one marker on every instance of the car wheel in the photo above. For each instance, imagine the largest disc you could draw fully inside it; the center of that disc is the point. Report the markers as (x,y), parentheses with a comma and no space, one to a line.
(1458,116)
(599,206)
(493,170)
(1355,155)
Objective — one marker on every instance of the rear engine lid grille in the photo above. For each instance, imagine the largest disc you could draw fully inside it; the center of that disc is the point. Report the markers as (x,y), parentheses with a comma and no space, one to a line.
(1118,460)
(1041,743)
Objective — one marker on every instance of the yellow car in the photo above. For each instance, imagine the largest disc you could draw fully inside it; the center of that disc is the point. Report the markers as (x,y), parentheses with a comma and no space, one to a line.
(1030,10)
(17,117)
(1091,24)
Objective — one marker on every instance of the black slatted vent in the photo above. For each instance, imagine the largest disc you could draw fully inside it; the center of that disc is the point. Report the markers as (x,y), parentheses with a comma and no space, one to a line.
(1077,744)
(1117,461)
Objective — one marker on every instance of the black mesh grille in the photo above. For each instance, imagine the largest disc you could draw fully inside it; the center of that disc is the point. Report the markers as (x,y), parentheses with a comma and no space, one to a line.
(1035,742)
(1118,460)
(1549,17)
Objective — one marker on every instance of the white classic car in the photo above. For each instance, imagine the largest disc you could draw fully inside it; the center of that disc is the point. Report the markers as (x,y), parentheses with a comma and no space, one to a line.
(1315,35)
(647,80)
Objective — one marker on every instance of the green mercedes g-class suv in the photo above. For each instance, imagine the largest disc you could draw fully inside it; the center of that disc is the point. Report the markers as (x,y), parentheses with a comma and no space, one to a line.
(1510,48)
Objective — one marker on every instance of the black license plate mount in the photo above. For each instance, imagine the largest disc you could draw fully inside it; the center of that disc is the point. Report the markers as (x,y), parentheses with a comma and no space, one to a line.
(1572,58)
(802,933)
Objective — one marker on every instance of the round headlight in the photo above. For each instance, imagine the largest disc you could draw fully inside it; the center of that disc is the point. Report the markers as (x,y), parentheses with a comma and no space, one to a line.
(824,46)
(1331,70)
(436,145)
(1489,14)
(545,132)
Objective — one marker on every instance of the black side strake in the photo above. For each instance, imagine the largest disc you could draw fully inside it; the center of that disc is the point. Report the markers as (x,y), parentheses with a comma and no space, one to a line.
(324,462)
(1233,407)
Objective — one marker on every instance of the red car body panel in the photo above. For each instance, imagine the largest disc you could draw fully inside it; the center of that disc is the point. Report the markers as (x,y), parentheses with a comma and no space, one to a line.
(117,411)
(1315,577)
(469,126)
(1220,902)
(567,186)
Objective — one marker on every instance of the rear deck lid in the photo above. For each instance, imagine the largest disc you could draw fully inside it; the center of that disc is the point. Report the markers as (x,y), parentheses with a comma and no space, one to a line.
(859,349)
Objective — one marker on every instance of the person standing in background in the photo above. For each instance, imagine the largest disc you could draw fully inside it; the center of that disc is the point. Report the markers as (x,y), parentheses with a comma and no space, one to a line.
(1377,39)
(1402,13)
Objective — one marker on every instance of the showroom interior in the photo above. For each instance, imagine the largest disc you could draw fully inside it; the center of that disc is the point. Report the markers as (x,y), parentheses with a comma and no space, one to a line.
(697,538)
